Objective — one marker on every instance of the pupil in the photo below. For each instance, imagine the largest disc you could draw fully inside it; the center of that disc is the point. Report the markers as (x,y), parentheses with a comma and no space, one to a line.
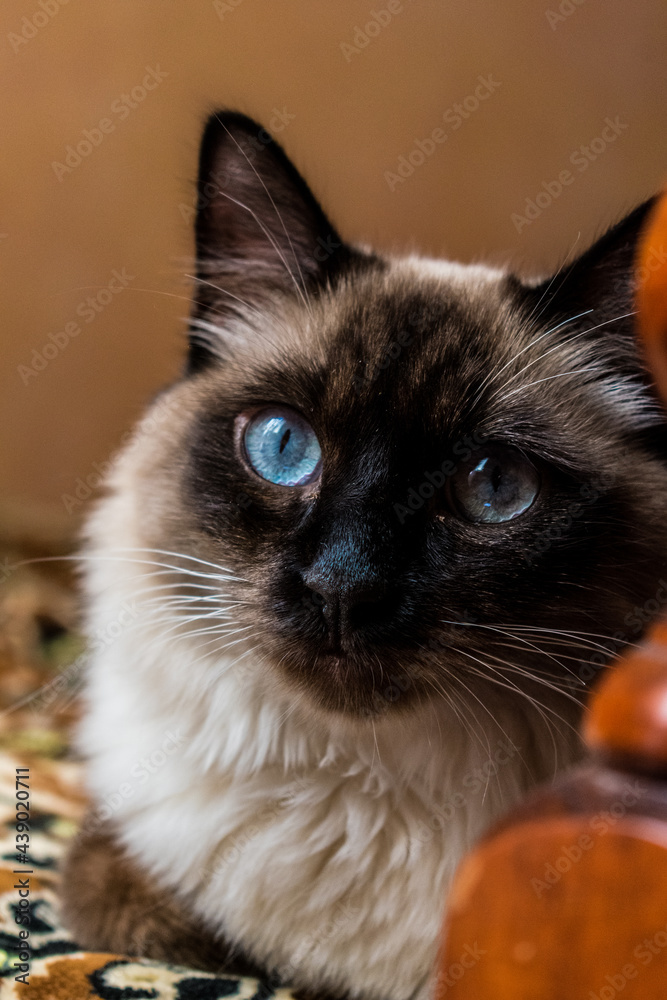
(496,478)
(283,441)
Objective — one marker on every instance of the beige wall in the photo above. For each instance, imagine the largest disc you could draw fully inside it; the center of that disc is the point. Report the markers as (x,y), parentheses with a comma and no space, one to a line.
(354,114)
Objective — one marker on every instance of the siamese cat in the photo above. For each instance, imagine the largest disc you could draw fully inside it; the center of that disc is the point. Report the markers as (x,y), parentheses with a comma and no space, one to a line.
(349,583)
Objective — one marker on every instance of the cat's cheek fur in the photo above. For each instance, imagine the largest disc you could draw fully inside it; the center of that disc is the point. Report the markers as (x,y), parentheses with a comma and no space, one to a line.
(322,847)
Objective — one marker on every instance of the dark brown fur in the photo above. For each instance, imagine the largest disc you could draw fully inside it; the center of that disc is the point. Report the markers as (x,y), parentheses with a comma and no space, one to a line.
(108,904)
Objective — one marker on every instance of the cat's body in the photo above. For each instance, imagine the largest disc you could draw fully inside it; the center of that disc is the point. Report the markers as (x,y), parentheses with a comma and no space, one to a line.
(397,668)
(316,843)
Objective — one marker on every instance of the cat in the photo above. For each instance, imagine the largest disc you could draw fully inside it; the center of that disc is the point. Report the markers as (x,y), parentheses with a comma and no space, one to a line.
(349,584)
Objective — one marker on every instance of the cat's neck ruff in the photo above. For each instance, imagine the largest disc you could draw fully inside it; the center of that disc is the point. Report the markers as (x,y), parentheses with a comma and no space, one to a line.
(279,822)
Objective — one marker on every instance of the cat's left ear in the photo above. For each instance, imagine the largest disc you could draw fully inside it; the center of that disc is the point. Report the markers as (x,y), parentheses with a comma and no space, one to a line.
(260,233)
(602,280)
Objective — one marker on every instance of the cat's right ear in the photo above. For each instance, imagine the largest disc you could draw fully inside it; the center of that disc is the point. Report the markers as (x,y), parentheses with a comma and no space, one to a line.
(600,283)
(259,231)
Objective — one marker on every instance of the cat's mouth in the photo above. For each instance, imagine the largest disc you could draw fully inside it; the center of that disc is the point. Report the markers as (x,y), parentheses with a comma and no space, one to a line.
(346,660)
(335,660)
(360,683)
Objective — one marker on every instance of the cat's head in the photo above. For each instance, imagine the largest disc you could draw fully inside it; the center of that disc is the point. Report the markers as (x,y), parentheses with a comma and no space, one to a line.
(428,478)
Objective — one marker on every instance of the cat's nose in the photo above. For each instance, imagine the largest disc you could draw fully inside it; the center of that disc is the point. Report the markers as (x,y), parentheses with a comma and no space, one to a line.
(349,606)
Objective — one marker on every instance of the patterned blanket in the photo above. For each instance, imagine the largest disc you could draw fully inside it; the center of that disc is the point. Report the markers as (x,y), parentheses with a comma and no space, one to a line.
(42,802)
(46,957)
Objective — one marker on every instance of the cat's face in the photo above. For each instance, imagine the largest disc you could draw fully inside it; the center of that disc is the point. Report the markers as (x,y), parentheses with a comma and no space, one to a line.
(430,478)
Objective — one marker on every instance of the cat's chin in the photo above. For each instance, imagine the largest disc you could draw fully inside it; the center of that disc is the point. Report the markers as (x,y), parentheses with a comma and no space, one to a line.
(348,684)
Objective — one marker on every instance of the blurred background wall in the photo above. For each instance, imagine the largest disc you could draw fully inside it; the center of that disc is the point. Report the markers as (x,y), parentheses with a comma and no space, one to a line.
(102,107)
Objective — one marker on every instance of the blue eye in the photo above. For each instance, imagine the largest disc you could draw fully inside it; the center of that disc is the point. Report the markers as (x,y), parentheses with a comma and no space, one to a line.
(496,485)
(282,447)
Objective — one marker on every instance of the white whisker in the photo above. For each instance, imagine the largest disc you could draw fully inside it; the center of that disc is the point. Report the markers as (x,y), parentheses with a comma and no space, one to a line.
(272,241)
(275,209)
(493,375)
(559,346)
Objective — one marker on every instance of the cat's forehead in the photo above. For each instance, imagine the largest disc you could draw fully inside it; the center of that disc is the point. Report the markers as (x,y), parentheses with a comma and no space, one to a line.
(420,315)
(414,336)
(434,304)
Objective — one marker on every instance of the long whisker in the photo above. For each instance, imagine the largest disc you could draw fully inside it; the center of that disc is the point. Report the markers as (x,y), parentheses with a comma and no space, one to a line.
(546,291)
(458,705)
(223,574)
(537,678)
(493,375)
(479,701)
(509,685)
(272,241)
(222,648)
(548,378)
(273,205)
(202,324)
(562,343)
(582,636)
(502,631)
(169,552)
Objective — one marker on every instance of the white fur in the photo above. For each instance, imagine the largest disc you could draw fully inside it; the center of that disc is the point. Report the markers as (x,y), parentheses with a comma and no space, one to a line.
(318,844)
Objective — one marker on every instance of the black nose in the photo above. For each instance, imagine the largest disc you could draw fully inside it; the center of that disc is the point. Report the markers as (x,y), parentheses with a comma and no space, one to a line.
(348,606)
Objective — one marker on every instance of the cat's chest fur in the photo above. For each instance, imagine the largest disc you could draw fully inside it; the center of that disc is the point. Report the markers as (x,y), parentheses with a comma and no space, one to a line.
(325,851)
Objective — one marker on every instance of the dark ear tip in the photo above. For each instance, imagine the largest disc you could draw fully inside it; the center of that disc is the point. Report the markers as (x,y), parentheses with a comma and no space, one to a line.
(601,274)
(223,122)
(637,217)
(221,127)
(231,137)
